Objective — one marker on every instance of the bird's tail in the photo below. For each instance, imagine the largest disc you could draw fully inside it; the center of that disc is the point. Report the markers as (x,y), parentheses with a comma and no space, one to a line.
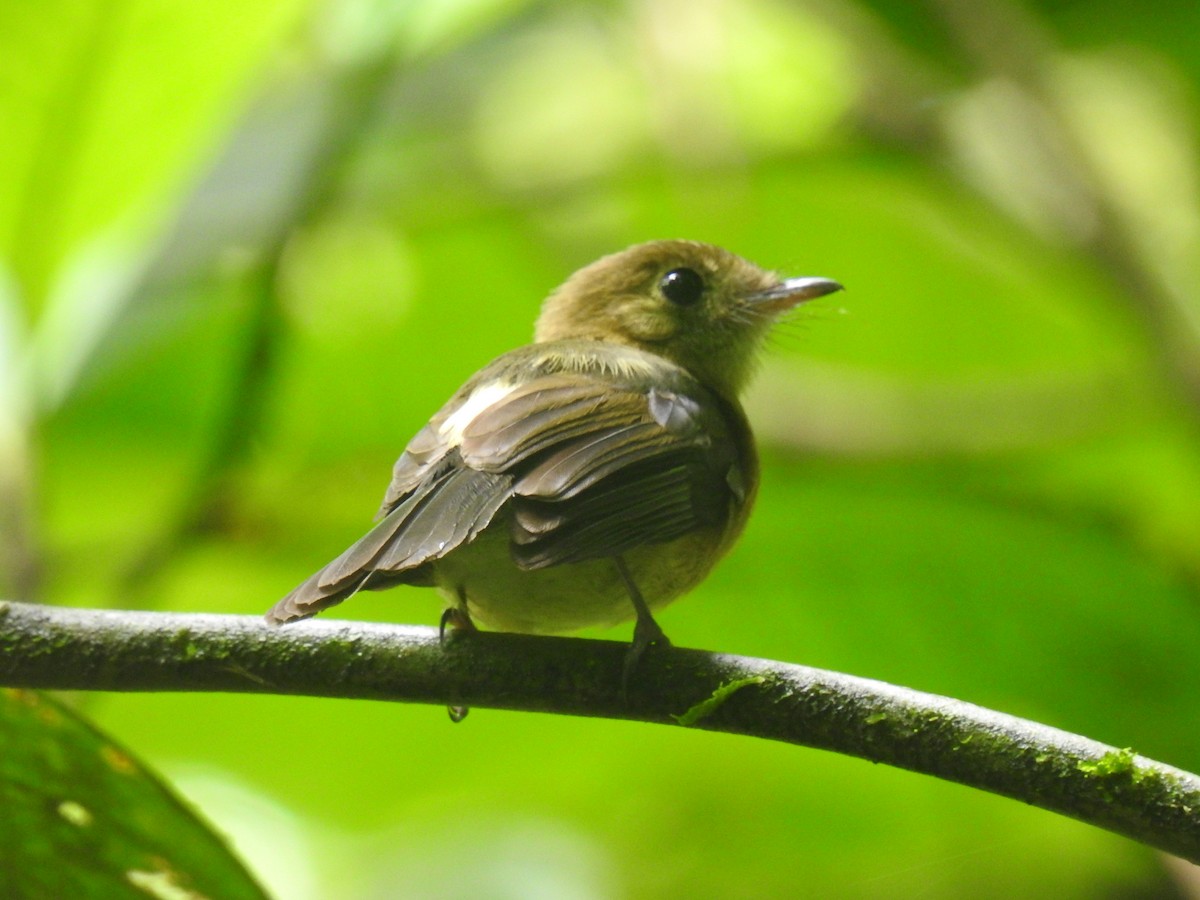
(445,512)
(310,598)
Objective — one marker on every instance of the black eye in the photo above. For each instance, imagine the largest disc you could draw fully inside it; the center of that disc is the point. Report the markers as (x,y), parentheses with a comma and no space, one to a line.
(682,287)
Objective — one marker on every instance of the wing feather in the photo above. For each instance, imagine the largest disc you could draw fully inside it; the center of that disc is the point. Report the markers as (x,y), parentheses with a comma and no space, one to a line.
(541,415)
(583,462)
(461,506)
(609,520)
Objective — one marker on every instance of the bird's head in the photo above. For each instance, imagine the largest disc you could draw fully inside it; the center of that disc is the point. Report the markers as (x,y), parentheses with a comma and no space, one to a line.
(695,304)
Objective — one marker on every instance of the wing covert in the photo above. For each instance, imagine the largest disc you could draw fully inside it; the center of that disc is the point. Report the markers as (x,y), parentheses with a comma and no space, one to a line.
(600,468)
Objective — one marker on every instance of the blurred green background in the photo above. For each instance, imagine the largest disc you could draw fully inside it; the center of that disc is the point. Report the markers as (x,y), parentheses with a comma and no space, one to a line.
(247,248)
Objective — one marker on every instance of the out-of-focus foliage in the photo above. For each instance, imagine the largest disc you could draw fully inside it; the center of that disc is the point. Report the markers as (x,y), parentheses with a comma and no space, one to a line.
(247,251)
(82,819)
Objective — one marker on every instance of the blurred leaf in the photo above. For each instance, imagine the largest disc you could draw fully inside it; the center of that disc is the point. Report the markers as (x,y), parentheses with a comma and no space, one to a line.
(82,818)
(14,396)
(430,27)
(108,109)
(108,105)
(1170,33)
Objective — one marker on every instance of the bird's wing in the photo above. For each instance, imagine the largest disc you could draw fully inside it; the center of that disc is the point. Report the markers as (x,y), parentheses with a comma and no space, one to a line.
(590,469)
(600,469)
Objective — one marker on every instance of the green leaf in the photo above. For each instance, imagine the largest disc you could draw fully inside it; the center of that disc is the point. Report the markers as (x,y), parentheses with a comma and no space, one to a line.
(82,818)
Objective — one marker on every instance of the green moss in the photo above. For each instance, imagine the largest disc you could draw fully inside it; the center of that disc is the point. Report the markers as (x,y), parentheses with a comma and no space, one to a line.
(1112,764)
(710,705)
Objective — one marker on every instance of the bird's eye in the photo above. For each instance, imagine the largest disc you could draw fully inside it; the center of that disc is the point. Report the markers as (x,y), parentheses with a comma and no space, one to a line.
(683,287)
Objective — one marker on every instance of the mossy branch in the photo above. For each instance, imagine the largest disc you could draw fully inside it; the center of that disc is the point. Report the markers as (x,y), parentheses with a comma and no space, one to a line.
(76,649)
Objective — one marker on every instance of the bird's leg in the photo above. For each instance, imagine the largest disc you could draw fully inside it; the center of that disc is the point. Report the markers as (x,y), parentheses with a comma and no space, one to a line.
(645,631)
(456,621)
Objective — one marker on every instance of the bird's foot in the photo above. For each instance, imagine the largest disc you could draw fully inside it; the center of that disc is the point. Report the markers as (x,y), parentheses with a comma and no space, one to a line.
(455,623)
(646,633)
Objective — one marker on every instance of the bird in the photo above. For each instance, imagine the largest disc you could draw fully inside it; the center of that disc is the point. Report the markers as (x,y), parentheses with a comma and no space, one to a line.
(593,475)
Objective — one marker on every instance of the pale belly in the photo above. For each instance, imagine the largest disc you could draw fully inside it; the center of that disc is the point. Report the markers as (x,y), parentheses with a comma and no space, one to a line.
(569,597)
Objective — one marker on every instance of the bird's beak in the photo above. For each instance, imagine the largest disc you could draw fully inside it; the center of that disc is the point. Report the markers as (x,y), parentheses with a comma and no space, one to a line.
(791,292)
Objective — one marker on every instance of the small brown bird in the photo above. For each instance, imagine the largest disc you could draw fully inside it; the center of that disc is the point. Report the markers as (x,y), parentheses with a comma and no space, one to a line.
(593,475)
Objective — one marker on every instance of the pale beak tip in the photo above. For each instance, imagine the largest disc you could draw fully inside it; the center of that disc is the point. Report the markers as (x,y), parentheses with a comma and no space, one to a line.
(794,291)
(811,288)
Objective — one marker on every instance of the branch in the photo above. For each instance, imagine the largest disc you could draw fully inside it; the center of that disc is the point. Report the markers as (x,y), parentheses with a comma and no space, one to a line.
(76,649)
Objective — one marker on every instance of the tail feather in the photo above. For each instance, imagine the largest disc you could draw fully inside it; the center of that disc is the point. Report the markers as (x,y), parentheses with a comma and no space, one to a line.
(444,512)
(310,598)
(346,575)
